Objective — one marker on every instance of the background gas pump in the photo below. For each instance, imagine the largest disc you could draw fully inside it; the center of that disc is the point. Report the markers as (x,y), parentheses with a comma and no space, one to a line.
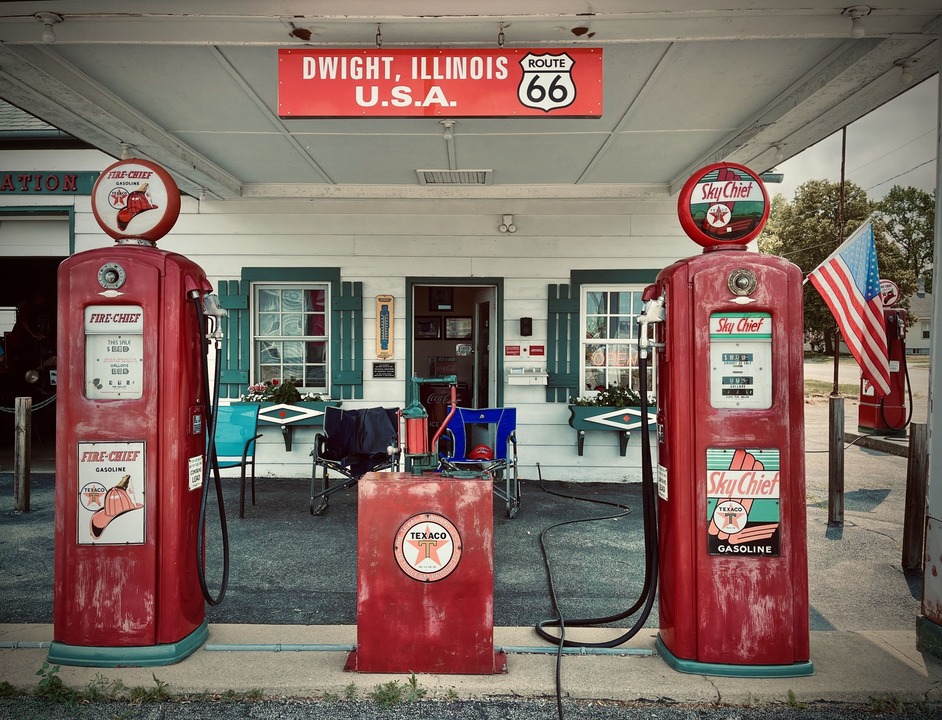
(888,415)
(131,435)
(733,596)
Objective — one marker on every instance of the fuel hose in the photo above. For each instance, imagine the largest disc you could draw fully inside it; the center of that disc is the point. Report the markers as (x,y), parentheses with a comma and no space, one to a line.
(645,601)
(210,461)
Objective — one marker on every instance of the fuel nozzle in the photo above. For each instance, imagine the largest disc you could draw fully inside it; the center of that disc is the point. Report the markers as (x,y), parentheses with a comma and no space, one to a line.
(212,308)
(651,312)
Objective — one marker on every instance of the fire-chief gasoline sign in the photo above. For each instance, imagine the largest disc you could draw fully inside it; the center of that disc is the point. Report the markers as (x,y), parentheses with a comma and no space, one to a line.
(440,82)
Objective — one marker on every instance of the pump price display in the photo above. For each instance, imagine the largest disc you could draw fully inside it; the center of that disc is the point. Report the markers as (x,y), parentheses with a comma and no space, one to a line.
(114,352)
(741,360)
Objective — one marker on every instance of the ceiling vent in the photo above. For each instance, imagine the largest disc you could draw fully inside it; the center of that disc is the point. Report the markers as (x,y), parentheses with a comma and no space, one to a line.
(454,177)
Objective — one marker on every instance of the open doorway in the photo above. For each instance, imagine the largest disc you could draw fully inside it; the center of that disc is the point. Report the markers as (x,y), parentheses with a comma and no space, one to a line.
(455,332)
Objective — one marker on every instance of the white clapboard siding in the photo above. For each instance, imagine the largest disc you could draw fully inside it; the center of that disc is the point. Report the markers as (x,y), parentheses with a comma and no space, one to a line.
(381,242)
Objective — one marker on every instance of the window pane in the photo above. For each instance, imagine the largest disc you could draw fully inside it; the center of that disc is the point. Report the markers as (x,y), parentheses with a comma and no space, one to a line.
(621,356)
(314,300)
(594,379)
(291,324)
(269,353)
(269,372)
(595,355)
(315,376)
(293,352)
(291,299)
(594,328)
(269,324)
(294,373)
(316,352)
(316,324)
(595,303)
(269,301)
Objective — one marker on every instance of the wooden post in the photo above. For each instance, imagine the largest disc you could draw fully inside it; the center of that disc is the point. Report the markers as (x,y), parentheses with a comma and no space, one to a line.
(836,461)
(22,445)
(914,513)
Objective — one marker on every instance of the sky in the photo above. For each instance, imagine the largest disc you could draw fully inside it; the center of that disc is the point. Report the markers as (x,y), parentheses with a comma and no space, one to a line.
(893,145)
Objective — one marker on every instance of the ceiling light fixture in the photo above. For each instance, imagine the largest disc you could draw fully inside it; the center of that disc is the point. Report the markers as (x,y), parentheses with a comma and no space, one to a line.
(49,21)
(855,12)
(779,151)
(905,65)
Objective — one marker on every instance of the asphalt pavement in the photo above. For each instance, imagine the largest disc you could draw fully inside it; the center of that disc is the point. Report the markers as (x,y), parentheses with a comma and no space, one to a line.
(292,584)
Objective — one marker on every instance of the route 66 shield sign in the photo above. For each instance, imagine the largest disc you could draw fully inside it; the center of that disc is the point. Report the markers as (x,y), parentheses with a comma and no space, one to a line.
(547,83)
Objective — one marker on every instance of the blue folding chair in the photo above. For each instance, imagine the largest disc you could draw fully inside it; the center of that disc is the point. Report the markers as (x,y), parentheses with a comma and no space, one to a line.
(236,432)
(353,443)
(484,441)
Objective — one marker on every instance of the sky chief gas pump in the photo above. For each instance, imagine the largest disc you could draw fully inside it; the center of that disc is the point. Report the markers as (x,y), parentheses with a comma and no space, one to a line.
(131,435)
(733,596)
(888,414)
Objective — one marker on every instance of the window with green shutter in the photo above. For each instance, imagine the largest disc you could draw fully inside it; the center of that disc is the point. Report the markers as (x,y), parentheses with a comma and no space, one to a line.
(302,324)
(586,330)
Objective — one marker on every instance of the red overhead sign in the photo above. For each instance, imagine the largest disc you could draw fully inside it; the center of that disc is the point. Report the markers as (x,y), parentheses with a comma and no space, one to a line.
(505,82)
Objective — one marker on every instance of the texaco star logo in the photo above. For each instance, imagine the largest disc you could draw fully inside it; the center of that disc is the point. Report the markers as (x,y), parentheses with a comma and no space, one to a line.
(427,547)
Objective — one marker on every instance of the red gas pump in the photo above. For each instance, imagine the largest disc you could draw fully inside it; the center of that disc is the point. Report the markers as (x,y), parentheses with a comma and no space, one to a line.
(733,594)
(888,415)
(130,438)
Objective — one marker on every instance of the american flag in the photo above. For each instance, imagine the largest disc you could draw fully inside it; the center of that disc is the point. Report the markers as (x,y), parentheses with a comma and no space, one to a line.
(849,282)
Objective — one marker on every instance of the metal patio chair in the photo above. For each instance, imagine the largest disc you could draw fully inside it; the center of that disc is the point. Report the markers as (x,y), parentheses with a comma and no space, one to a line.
(497,458)
(235,435)
(353,443)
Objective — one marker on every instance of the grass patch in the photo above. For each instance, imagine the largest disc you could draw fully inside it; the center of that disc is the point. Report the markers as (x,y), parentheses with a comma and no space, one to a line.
(819,388)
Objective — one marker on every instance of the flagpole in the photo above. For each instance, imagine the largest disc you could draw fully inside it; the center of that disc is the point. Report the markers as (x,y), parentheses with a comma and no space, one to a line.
(840,240)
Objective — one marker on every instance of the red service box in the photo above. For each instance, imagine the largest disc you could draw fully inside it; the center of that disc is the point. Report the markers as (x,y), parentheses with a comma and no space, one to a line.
(425,587)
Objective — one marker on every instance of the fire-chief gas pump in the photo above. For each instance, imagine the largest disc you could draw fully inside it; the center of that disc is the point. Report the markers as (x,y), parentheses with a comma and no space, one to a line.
(733,594)
(131,436)
(888,415)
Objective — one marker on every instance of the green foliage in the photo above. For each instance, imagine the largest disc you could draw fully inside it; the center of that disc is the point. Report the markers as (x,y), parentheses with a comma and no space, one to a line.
(613,396)
(8,690)
(350,692)
(415,692)
(394,693)
(909,216)
(51,686)
(388,694)
(808,229)
(142,695)
(793,700)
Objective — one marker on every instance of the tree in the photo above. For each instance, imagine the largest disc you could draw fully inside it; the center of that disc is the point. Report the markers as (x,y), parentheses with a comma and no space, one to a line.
(808,229)
(909,215)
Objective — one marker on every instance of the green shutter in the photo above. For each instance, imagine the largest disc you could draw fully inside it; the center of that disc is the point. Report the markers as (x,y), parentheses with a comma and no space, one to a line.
(562,347)
(346,341)
(234,357)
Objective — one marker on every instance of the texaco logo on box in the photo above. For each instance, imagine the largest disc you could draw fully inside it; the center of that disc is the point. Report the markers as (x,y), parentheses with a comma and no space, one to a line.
(427,547)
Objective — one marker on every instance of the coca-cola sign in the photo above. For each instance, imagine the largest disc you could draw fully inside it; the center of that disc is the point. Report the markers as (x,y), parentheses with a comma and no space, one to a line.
(723,205)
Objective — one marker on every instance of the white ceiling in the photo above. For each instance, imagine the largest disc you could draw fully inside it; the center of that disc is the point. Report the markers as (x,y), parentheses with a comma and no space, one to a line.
(193,86)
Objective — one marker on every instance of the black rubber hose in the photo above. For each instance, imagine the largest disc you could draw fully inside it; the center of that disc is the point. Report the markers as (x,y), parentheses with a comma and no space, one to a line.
(645,601)
(909,391)
(210,461)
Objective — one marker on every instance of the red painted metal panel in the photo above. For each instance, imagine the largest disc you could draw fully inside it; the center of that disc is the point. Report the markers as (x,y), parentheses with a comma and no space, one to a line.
(425,590)
(144,592)
(723,602)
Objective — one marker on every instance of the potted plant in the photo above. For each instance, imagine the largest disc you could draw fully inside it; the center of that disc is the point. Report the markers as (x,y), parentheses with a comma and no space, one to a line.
(284,405)
(615,408)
